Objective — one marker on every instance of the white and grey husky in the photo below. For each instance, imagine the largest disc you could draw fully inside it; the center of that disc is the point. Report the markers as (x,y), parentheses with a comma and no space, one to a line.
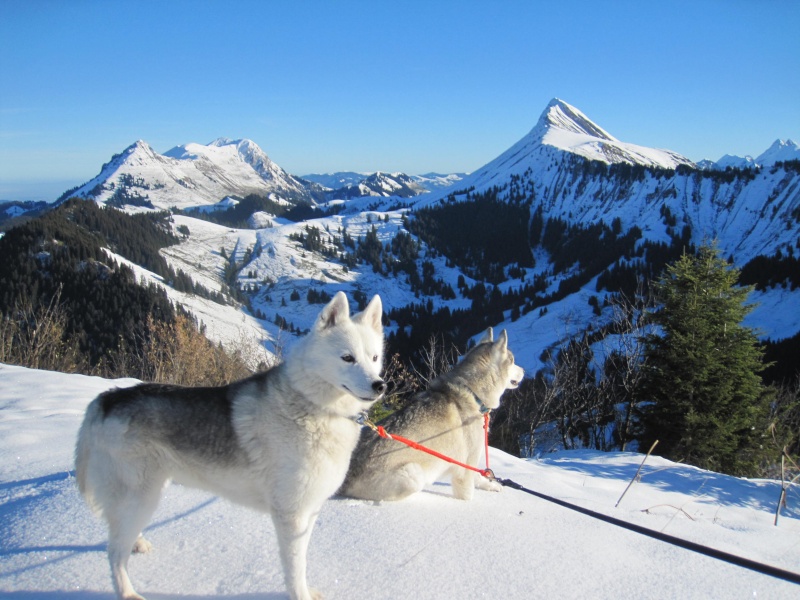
(279,442)
(447,418)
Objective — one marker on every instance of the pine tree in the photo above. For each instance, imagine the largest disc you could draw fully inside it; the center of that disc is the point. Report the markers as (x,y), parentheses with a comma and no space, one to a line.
(704,398)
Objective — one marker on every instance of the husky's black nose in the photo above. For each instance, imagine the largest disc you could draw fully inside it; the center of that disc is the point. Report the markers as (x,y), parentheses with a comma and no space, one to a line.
(379,386)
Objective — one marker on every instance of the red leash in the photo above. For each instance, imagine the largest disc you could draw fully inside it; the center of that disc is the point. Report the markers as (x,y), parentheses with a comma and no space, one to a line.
(487,472)
(486,440)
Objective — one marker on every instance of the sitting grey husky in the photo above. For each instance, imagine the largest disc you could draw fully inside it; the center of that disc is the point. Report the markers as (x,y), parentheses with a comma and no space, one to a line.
(279,442)
(447,418)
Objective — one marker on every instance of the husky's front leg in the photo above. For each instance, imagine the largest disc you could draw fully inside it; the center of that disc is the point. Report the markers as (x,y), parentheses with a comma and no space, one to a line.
(463,483)
(294,533)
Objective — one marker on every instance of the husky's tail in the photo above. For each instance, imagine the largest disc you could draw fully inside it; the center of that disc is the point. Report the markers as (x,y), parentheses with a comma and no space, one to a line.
(83,453)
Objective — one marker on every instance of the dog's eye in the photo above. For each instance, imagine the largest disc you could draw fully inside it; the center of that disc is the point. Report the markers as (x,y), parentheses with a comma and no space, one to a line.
(348,358)
(375,358)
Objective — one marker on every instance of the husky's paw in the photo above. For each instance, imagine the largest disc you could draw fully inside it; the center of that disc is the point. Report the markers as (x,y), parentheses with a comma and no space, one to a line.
(141,546)
(489,485)
(313,594)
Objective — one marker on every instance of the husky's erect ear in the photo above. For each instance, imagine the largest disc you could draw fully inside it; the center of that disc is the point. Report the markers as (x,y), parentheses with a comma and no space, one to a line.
(335,311)
(488,337)
(501,345)
(372,315)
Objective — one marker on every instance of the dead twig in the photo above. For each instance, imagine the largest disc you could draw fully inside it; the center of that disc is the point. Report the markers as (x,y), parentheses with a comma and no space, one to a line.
(677,509)
(636,475)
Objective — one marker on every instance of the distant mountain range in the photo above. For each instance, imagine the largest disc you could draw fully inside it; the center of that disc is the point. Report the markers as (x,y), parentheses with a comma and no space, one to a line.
(536,241)
(780,151)
(355,185)
(195,175)
(346,180)
(16,210)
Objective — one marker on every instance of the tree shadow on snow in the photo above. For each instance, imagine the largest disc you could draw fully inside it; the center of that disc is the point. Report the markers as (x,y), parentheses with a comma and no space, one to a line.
(37,481)
(684,479)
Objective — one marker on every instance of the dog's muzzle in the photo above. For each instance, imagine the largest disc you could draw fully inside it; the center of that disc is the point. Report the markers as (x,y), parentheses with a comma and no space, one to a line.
(378,386)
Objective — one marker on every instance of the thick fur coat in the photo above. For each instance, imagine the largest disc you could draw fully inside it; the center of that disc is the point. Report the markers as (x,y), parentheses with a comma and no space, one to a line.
(279,442)
(448,418)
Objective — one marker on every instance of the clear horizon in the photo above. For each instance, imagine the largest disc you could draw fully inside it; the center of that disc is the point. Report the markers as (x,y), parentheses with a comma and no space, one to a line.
(358,86)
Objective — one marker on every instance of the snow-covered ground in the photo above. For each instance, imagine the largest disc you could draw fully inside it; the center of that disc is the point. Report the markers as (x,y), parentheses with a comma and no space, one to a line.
(499,545)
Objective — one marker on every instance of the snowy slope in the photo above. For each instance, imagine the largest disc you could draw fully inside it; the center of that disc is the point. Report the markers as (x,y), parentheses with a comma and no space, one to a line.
(281,267)
(278,268)
(192,175)
(286,267)
(229,325)
(499,545)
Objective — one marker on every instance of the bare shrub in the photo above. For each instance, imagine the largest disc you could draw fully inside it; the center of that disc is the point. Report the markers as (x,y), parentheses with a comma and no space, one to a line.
(437,357)
(405,379)
(783,429)
(587,395)
(177,353)
(519,424)
(37,338)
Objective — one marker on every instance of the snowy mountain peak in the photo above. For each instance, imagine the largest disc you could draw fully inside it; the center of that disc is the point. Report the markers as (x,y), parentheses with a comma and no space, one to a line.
(246,149)
(736,162)
(139,147)
(780,151)
(225,141)
(560,115)
(563,130)
(565,127)
(191,175)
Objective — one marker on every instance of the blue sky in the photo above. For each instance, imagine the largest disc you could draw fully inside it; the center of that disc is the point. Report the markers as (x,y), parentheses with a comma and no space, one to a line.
(393,86)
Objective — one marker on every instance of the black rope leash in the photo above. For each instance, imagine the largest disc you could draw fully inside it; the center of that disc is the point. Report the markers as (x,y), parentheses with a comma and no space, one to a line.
(733,559)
